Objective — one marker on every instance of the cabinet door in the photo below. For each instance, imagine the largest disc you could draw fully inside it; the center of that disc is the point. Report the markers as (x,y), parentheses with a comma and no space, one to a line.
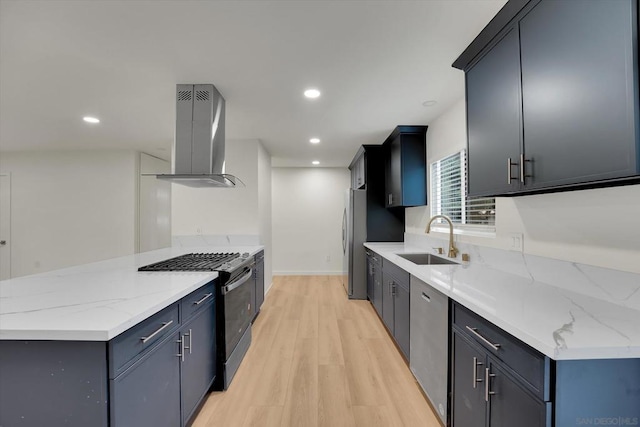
(580,91)
(370,278)
(469,405)
(493,119)
(393,175)
(377,287)
(198,369)
(148,393)
(510,405)
(259,284)
(387,301)
(401,319)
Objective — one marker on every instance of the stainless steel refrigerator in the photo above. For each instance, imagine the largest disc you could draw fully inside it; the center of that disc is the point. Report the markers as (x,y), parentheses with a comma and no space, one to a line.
(354,234)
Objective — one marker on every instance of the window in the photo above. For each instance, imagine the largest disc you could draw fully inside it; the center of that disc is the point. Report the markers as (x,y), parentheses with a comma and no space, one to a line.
(449,195)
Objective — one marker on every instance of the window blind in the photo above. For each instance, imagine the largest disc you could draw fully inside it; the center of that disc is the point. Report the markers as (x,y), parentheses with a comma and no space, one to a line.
(449,194)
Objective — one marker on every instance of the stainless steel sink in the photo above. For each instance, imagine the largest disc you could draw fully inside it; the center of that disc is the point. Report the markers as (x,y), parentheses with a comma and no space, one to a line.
(426,259)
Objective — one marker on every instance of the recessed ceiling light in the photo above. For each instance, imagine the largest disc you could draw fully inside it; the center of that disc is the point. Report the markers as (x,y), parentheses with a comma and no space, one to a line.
(315,162)
(314,140)
(90,119)
(312,93)
(429,103)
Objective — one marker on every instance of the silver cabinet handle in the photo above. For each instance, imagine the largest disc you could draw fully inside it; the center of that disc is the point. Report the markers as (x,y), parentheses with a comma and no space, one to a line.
(509,165)
(487,384)
(203,299)
(495,347)
(181,353)
(164,326)
(476,380)
(426,297)
(187,347)
(523,174)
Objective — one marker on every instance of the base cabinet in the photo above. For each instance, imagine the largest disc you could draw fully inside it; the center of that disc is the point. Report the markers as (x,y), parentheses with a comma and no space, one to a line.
(148,393)
(198,367)
(259,276)
(374,280)
(395,304)
(469,404)
(497,381)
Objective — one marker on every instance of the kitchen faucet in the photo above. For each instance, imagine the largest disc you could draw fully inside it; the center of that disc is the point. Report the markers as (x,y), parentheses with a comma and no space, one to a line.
(453,251)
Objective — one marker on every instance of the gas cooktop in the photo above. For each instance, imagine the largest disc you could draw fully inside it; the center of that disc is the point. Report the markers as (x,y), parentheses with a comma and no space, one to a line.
(193,262)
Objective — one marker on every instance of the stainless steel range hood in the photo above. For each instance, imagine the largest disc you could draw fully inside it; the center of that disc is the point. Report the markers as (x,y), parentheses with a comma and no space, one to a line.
(198,149)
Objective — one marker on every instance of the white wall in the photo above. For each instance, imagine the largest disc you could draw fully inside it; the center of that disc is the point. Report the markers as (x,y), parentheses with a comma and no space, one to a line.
(264,212)
(307,219)
(221,211)
(598,227)
(70,207)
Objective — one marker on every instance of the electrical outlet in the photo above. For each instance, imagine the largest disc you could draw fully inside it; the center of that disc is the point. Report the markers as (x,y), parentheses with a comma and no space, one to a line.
(328,259)
(516,242)
(199,231)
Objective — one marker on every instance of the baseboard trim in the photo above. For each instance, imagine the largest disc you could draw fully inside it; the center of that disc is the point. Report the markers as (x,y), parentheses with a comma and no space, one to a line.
(308,273)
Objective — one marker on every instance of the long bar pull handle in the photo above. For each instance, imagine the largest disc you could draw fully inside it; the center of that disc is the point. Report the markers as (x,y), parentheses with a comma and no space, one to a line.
(203,299)
(474,331)
(476,380)
(181,353)
(188,347)
(523,174)
(509,165)
(164,326)
(487,384)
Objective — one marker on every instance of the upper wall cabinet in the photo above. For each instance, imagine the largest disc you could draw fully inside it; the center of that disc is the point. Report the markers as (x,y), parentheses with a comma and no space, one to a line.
(552,97)
(406,171)
(357,168)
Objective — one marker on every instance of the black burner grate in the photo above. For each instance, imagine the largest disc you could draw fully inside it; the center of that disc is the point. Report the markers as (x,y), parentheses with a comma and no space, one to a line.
(192,262)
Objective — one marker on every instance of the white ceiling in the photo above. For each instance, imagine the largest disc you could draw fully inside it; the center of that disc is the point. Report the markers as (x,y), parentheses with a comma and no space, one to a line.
(375,62)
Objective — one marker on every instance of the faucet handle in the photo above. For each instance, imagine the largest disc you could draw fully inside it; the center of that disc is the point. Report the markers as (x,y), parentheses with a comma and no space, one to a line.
(439,251)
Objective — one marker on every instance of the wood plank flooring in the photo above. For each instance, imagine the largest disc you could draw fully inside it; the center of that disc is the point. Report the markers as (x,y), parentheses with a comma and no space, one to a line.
(318,359)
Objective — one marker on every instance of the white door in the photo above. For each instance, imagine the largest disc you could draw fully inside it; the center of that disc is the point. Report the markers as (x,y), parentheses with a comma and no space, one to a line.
(5,227)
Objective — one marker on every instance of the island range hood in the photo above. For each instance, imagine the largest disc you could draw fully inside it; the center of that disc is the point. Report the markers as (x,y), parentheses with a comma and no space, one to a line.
(198,149)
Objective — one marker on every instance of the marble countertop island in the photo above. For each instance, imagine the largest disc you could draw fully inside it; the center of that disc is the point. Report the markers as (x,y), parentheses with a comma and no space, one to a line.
(567,311)
(97,301)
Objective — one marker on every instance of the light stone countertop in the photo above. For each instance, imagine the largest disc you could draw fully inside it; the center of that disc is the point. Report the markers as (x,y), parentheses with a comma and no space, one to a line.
(565,310)
(97,301)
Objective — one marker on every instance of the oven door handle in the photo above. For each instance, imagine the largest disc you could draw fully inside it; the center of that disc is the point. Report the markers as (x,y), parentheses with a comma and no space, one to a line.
(231,286)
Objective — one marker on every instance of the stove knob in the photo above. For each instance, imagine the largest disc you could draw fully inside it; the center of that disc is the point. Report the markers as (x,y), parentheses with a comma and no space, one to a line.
(245,255)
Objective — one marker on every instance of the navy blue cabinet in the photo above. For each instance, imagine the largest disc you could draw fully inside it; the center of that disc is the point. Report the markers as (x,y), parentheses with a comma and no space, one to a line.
(497,380)
(469,407)
(374,280)
(198,367)
(552,98)
(259,278)
(165,382)
(396,304)
(147,394)
(406,169)
(494,117)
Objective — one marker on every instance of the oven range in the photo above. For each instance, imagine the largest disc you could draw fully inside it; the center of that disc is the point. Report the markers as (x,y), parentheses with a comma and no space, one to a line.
(234,308)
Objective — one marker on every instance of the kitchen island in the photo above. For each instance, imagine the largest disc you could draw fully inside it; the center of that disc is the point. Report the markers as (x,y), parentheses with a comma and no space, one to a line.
(71,338)
(567,335)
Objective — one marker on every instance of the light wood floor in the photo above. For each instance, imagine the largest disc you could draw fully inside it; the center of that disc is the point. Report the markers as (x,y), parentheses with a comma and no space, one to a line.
(318,359)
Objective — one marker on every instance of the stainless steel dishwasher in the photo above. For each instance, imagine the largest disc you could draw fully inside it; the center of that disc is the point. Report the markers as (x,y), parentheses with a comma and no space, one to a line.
(429,343)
